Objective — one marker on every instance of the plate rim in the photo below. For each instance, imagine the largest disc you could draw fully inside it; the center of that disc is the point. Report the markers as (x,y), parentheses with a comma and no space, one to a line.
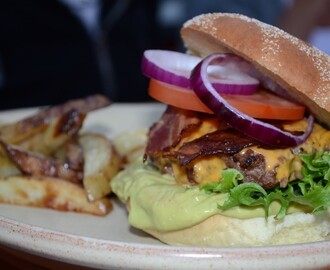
(107,253)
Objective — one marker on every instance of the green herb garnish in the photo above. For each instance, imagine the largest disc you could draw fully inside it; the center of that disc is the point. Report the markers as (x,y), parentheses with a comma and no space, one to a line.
(313,190)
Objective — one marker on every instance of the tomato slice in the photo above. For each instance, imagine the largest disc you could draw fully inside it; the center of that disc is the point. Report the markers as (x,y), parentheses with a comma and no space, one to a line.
(262,104)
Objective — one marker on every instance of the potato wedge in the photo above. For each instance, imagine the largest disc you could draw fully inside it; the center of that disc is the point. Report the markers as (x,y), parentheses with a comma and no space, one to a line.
(45,162)
(7,167)
(131,145)
(71,153)
(55,134)
(21,130)
(31,163)
(50,193)
(101,163)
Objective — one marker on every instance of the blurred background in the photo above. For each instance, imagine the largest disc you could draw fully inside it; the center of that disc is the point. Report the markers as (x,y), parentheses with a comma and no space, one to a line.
(55,50)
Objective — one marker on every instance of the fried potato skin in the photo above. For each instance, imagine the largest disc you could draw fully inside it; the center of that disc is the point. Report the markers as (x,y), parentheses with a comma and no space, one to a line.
(43,165)
(31,163)
(47,192)
(21,130)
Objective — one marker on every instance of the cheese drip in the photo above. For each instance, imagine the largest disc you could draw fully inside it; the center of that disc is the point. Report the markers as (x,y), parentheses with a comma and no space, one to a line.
(285,163)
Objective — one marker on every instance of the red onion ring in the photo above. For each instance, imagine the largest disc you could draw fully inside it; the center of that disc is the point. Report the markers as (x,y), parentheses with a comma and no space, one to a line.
(175,68)
(266,82)
(254,128)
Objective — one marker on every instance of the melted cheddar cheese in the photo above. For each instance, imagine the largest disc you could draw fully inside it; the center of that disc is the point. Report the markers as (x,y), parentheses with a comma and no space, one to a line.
(284,162)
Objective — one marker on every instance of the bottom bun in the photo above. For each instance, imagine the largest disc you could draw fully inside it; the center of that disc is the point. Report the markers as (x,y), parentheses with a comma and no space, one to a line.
(222,231)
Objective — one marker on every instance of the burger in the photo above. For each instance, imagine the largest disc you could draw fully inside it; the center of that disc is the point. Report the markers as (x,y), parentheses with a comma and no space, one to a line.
(240,156)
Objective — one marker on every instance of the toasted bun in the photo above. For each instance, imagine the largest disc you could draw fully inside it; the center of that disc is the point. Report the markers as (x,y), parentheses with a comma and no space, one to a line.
(221,231)
(301,69)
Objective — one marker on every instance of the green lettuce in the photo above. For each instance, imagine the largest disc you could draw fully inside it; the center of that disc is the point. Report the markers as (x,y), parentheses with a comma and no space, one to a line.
(312,191)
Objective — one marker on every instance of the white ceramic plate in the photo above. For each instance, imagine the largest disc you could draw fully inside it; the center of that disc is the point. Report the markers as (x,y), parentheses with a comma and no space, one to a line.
(109,242)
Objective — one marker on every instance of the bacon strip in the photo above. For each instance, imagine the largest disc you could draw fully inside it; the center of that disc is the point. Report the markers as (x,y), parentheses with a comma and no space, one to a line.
(220,142)
(175,124)
(168,131)
(225,143)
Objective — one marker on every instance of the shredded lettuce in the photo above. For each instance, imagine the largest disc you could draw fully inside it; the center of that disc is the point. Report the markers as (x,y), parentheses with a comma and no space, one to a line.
(312,191)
